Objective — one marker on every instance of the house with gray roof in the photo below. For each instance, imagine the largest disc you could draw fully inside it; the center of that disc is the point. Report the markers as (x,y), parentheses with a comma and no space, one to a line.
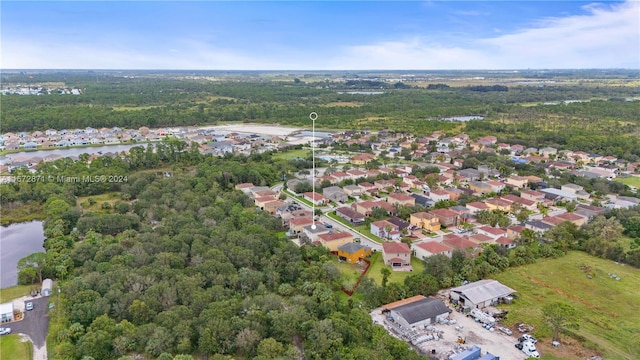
(335,193)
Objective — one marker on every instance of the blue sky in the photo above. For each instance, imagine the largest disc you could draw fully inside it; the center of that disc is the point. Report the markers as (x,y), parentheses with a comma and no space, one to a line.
(323,35)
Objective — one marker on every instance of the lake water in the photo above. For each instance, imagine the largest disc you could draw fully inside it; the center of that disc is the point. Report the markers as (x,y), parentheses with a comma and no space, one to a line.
(16,242)
(318,134)
(71,151)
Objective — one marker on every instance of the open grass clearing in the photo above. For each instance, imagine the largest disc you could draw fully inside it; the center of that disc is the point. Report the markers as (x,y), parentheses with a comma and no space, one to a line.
(135,108)
(292,154)
(608,316)
(98,200)
(17,291)
(396,276)
(631,181)
(12,348)
(343,104)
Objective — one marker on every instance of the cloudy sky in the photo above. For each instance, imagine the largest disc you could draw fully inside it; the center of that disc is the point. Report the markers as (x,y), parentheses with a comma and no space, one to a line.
(320,35)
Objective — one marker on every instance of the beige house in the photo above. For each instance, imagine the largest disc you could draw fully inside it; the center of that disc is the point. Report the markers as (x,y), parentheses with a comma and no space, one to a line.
(425,249)
(333,240)
(426,221)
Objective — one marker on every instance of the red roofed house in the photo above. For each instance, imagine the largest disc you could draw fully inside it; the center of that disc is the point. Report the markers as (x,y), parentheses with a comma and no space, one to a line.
(367,207)
(429,248)
(514,231)
(396,254)
(385,230)
(350,215)
(481,239)
(447,217)
(458,242)
(517,181)
(261,201)
(315,198)
(532,195)
(296,225)
(506,242)
(362,159)
(401,199)
(332,240)
(476,206)
(526,203)
(574,218)
(491,232)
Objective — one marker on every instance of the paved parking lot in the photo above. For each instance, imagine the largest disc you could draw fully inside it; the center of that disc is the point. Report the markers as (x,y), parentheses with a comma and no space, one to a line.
(35,323)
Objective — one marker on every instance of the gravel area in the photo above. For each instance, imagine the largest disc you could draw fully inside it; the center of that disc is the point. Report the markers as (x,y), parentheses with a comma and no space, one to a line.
(466,328)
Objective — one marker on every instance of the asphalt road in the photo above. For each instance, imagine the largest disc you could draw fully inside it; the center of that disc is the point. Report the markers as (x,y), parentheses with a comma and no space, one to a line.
(364,240)
(35,322)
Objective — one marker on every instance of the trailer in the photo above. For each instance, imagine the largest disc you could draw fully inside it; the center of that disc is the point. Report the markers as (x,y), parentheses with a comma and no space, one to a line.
(482,317)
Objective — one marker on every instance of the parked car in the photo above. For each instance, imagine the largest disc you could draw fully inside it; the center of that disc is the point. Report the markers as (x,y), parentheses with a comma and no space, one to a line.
(505,330)
(29,306)
(527,337)
(328,226)
(5,331)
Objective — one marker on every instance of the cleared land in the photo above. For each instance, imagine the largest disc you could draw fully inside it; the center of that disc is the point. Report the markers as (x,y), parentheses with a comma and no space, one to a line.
(608,316)
(631,181)
(396,276)
(110,198)
(17,291)
(292,154)
(12,348)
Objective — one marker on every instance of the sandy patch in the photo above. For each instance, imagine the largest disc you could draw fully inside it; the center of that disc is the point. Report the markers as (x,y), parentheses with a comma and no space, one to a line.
(273,130)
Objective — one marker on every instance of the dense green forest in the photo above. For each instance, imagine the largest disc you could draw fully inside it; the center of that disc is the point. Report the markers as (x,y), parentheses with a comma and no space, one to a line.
(516,114)
(185,265)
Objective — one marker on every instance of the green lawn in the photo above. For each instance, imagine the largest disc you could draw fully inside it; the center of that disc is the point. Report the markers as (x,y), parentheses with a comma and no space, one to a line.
(16,292)
(12,348)
(396,276)
(348,271)
(608,315)
(631,181)
(360,228)
(110,198)
(292,154)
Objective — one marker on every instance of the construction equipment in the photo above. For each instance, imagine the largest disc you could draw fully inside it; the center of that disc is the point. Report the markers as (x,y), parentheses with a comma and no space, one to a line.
(462,340)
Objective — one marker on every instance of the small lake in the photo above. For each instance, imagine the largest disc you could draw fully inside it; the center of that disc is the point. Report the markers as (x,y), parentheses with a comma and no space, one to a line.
(16,242)
(464,118)
(321,134)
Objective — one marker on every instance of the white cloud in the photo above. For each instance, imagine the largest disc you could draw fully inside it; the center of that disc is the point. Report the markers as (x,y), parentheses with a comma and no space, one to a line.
(606,37)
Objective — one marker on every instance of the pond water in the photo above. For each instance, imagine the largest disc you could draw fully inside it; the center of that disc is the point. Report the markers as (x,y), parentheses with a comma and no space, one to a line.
(16,242)
(68,152)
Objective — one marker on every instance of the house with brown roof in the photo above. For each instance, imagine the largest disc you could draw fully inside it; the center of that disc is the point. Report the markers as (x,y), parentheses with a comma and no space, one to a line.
(574,218)
(367,207)
(439,195)
(552,220)
(498,204)
(532,195)
(315,198)
(272,206)
(401,199)
(296,225)
(481,239)
(517,181)
(362,159)
(447,217)
(384,185)
(428,248)
(263,200)
(496,186)
(457,242)
(491,232)
(514,231)
(396,254)
(368,187)
(506,242)
(424,220)
(527,204)
(333,239)
(477,206)
(350,215)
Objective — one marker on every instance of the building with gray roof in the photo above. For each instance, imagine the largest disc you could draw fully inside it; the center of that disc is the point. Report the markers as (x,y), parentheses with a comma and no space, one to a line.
(480,294)
(420,313)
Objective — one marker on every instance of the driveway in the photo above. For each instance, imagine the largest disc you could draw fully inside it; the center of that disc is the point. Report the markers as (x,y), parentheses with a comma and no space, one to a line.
(35,323)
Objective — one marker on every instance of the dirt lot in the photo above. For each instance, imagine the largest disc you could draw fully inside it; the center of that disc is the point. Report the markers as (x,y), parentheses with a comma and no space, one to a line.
(496,342)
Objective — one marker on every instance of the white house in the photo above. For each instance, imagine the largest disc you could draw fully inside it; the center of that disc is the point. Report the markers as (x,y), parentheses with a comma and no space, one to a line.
(6,312)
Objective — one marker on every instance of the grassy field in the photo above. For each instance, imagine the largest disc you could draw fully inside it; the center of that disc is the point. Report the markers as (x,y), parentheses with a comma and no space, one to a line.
(12,348)
(607,309)
(16,292)
(396,276)
(110,198)
(21,213)
(631,181)
(292,154)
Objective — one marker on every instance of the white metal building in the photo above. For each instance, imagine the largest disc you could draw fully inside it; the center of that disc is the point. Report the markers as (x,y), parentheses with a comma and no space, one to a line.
(47,287)
(480,294)
(6,312)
